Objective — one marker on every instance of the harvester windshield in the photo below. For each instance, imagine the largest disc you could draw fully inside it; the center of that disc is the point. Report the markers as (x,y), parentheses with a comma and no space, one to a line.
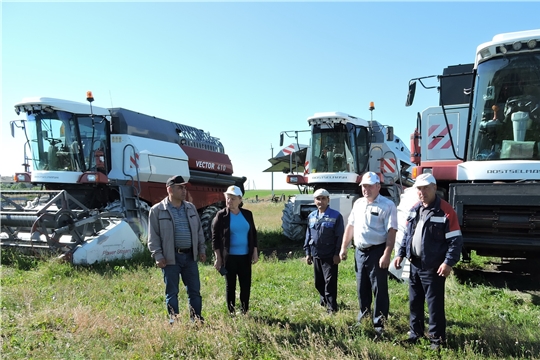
(506,111)
(339,148)
(62,141)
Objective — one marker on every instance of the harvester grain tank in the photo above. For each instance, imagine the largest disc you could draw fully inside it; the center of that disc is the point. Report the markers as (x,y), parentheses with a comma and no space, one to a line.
(482,144)
(100,171)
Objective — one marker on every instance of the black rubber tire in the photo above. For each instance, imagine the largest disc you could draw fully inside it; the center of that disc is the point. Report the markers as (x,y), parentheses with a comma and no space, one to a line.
(295,232)
(207,216)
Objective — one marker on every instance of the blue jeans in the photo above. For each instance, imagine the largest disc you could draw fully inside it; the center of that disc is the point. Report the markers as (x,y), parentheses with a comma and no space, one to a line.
(186,267)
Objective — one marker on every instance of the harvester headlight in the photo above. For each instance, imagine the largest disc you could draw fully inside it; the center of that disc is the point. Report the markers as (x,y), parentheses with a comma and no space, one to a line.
(516,46)
(427,171)
(293,179)
(91,177)
(531,44)
(503,49)
(484,53)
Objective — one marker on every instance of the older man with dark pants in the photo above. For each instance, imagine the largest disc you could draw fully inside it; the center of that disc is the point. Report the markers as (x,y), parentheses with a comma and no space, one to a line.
(432,242)
(373,222)
(176,241)
(323,241)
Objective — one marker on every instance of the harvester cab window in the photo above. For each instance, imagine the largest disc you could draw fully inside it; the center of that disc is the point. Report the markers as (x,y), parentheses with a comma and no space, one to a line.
(507,107)
(332,150)
(55,141)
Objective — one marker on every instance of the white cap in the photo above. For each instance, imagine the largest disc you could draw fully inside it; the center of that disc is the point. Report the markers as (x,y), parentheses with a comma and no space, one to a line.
(321,192)
(424,179)
(234,190)
(370,178)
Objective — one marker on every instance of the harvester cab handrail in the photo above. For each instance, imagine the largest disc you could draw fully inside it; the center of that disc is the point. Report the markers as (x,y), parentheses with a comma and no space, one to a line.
(138,187)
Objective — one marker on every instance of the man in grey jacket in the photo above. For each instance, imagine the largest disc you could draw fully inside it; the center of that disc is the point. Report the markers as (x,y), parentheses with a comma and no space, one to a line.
(176,241)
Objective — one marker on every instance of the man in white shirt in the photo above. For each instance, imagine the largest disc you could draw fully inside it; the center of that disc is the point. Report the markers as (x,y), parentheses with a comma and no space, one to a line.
(373,224)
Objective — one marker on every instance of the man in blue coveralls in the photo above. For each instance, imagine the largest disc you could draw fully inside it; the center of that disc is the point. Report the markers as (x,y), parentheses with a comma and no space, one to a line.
(322,245)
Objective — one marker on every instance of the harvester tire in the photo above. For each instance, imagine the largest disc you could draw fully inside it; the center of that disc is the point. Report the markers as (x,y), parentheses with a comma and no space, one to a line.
(207,217)
(292,230)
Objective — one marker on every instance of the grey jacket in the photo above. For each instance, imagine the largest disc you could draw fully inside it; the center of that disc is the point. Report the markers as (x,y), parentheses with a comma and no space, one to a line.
(161,232)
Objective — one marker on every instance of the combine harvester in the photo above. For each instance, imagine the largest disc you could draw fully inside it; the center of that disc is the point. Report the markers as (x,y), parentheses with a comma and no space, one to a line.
(482,144)
(100,171)
(342,149)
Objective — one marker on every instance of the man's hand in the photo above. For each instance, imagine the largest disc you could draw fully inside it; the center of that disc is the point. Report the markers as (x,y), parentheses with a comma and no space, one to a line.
(161,263)
(384,261)
(202,257)
(444,270)
(309,259)
(397,262)
(337,259)
(343,254)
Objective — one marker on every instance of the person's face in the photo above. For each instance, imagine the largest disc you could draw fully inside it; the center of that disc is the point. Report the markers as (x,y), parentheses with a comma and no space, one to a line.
(322,203)
(427,193)
(232,201)
(177,192)
(370,192)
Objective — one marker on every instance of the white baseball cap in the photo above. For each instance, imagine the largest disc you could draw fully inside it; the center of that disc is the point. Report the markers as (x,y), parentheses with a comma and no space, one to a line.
(424,179)
(234,190)
(321,192)
(370,178)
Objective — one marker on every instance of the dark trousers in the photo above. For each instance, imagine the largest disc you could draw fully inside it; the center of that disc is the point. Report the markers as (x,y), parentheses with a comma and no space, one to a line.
(370,278)
(326,276)
(238,266)
(426,285)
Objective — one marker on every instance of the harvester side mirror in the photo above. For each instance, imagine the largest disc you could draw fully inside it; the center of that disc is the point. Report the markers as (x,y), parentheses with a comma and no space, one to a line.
(281,139)
(12,126)
(390,133)
(410,95)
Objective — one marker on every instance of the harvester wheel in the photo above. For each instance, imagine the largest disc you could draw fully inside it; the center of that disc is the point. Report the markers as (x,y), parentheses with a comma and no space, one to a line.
(207,216)
(292,230)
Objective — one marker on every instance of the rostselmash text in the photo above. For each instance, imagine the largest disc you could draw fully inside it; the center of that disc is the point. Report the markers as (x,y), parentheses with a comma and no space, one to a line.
(514,171)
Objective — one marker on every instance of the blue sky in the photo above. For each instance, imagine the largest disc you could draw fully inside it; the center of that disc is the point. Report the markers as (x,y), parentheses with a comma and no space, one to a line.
(244,71)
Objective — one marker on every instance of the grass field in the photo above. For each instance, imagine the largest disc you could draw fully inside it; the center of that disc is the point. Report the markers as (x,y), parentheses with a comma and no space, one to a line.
(53,310)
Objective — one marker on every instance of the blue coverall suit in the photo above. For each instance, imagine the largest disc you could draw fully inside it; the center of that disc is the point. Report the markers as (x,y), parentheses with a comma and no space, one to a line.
(324,235)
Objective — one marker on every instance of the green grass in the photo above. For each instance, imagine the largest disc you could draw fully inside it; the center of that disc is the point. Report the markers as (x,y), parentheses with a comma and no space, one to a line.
(53,310)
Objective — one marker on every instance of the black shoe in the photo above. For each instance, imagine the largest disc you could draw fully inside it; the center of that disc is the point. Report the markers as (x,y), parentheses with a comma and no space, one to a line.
(379,333)
(411,340)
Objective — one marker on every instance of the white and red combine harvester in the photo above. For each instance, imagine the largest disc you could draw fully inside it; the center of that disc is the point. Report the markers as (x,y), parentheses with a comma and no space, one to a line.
(482,144)
(100,171)
(342,149)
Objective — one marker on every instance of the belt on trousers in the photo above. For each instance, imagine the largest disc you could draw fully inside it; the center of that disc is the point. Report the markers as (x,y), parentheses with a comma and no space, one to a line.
(369,248)
(183,251)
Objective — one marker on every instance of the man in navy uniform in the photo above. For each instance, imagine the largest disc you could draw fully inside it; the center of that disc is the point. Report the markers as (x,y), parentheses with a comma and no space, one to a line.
(432,242)
(323,242)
